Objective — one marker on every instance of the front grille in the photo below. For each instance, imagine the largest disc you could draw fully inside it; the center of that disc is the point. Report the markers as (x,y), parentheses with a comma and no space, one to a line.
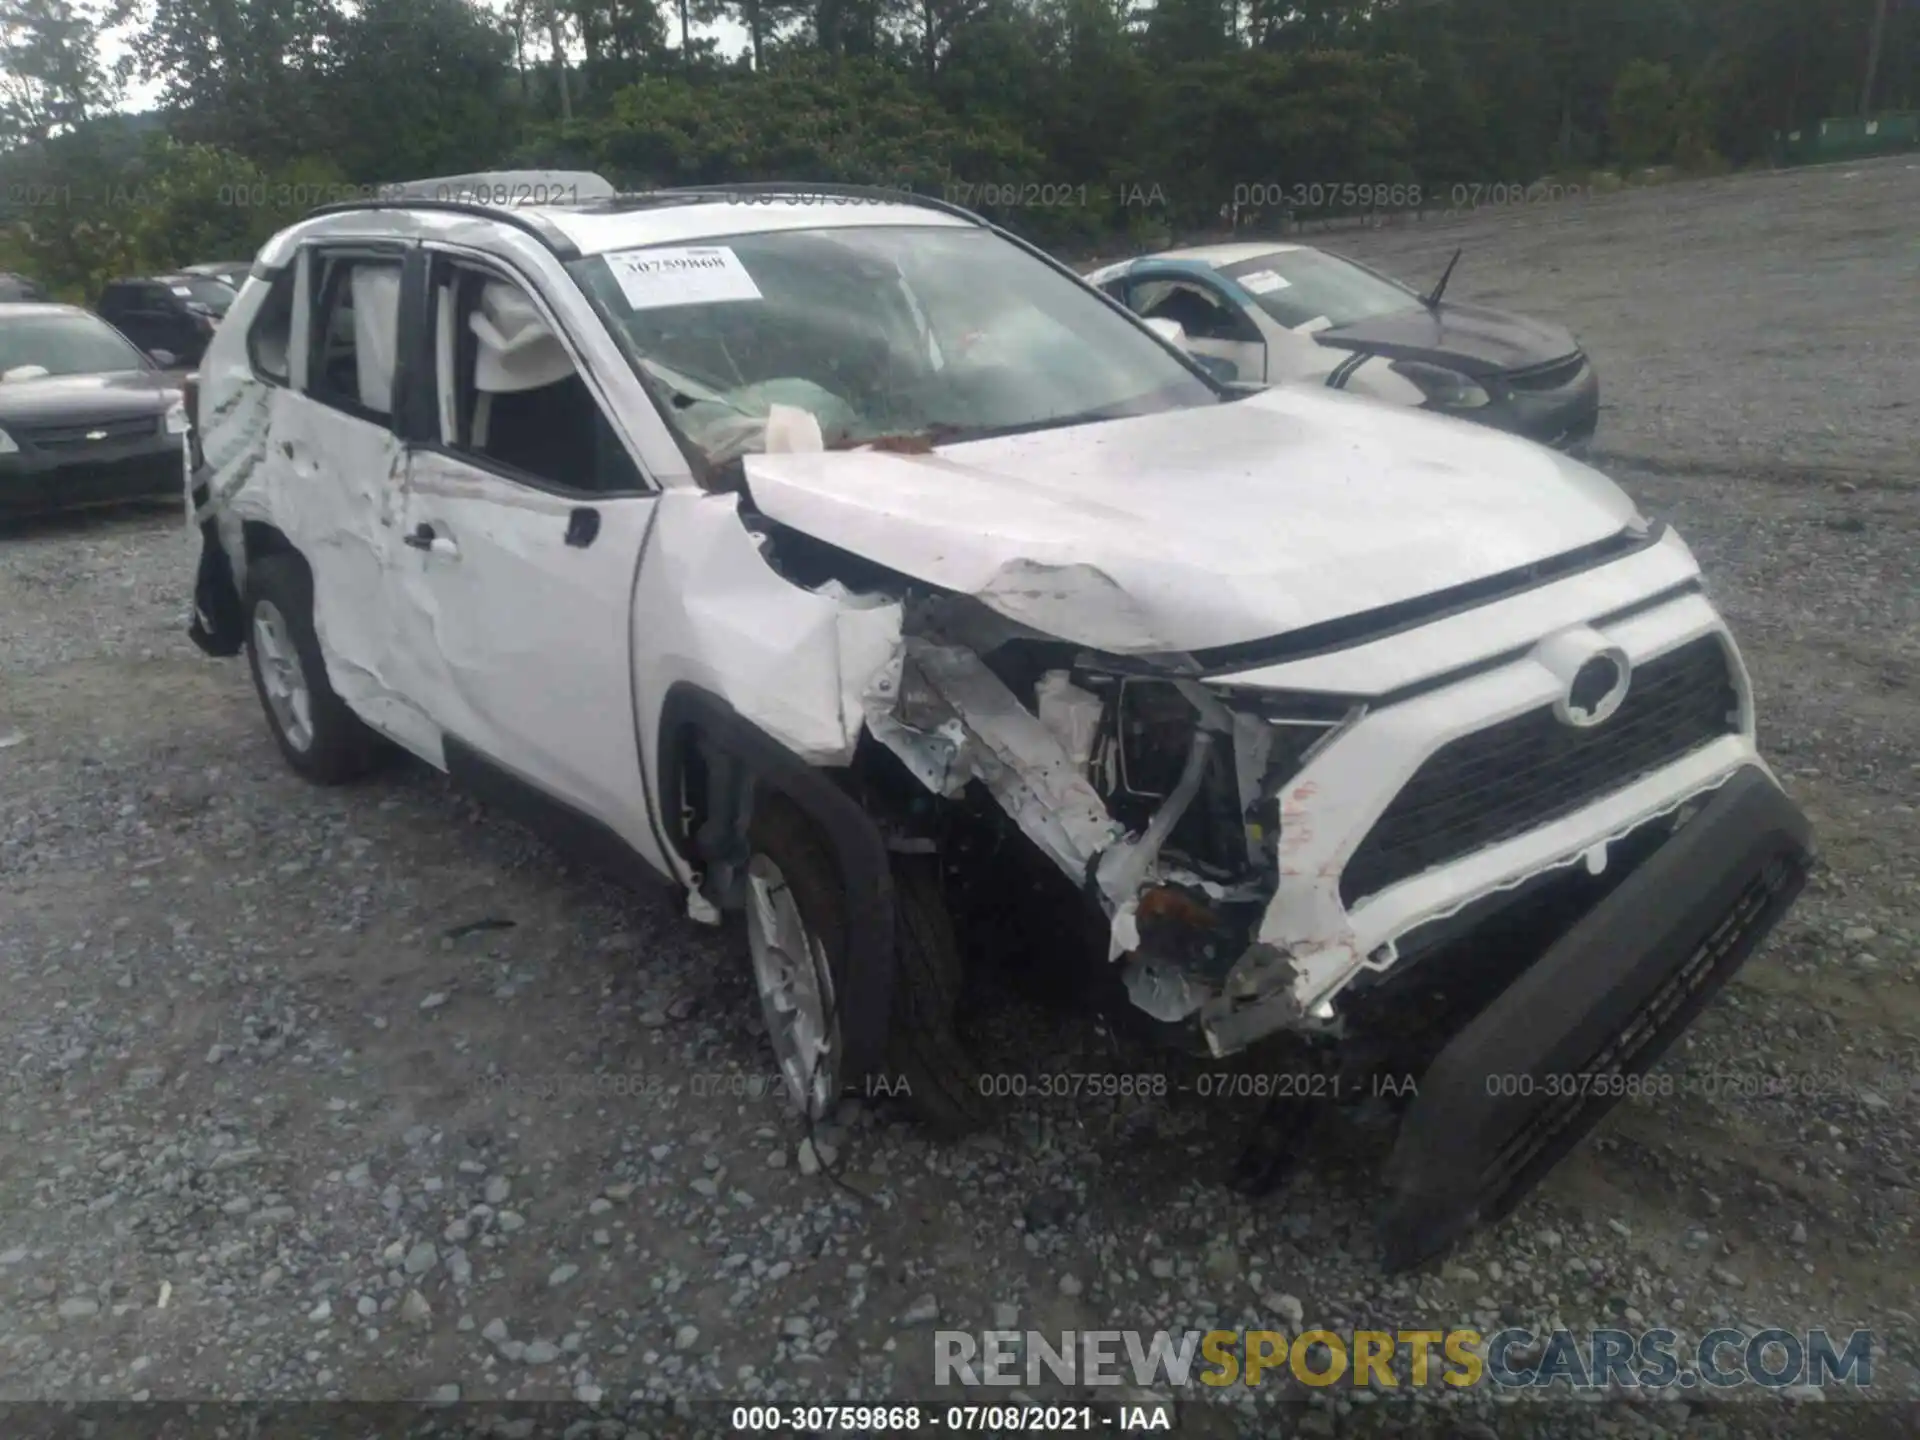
(98,432)
(1522,773)
(1555,375)
(130,475)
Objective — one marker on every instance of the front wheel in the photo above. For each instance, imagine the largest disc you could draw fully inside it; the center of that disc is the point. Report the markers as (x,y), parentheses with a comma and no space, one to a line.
(316,732)
(796,937)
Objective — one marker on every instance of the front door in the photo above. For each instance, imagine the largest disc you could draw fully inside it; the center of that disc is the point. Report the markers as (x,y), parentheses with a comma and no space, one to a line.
(516,551)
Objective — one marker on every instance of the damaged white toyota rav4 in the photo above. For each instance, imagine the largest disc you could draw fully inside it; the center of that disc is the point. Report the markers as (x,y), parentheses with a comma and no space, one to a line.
(848,562)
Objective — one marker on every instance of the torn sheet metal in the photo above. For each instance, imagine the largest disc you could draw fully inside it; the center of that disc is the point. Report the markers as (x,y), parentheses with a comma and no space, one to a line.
(796,663)
(951,719)
(1005,746)
(1072,714)
(1156,533)
(1163,990)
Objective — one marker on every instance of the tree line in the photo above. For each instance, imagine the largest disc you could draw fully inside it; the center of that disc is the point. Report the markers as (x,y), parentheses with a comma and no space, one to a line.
(1077,122)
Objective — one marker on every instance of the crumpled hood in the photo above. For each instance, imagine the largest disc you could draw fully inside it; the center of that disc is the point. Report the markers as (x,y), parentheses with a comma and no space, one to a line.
(1198,528)
(1473,339)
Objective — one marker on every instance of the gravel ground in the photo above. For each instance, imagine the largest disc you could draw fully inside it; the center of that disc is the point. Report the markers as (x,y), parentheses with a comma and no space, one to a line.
(284,1124)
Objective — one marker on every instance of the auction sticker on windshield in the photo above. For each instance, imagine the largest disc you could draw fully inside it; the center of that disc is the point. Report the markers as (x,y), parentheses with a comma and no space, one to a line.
(681,275)
(1262,281)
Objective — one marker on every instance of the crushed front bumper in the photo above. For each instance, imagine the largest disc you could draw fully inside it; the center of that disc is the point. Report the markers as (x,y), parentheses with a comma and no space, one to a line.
(1536,1070)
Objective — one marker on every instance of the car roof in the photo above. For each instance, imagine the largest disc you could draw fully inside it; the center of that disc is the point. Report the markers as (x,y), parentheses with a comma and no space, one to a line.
(1221,256)
(622,222)
(595,231)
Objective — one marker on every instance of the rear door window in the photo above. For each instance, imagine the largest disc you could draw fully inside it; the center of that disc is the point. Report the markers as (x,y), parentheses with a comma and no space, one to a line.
(270,336)
(355,332)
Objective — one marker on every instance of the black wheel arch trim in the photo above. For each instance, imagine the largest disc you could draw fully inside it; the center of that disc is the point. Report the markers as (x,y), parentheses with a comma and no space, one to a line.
(860,852)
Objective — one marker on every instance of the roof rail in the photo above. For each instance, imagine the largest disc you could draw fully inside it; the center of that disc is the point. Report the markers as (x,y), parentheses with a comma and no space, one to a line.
(531,222)
(899,195)
(504,187)
(446,194)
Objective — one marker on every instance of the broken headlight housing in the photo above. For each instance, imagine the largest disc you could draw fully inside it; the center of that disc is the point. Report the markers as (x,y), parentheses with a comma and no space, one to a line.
(1233,821)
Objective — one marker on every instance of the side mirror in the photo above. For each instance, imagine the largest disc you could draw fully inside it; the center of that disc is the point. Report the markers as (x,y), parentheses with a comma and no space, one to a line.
(165,359)
(1172,331)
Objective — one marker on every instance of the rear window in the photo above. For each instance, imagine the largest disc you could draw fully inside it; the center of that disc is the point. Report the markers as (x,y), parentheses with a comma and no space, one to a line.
(216,295)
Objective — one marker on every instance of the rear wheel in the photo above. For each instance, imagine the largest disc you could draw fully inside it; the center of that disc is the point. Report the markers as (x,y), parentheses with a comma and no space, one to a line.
(796,938)
(316,732)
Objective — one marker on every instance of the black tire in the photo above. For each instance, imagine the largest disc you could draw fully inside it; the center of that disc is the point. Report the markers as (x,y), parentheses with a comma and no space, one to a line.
(340,747)
(922,1050)
(942,1082)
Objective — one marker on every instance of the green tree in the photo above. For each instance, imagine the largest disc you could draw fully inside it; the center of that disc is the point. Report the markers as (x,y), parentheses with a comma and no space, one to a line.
(51,74)
(245,74)
(166,204)
(1643,114)
(428,86)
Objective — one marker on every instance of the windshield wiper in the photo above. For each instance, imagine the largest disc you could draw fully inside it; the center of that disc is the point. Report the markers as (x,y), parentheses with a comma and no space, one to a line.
(1118,411)
(908,442)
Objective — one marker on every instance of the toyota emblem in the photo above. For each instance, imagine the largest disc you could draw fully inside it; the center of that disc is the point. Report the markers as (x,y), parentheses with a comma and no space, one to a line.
(1597,689)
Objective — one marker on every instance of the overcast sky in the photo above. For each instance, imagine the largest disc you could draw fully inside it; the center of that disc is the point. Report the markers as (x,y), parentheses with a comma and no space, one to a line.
(144,95)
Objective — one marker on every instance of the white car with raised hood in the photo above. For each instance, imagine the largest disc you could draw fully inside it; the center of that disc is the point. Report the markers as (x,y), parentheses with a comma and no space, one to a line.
(849,563)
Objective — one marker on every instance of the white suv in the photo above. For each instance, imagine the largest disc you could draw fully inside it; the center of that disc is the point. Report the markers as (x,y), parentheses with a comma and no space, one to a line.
(844,560)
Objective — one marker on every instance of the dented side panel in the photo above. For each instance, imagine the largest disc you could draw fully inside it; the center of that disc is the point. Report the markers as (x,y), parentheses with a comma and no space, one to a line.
(336,476)
(710,611)
(324,480)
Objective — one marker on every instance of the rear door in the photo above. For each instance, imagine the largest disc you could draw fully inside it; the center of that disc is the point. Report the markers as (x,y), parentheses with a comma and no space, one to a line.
(339,462)
(519,543)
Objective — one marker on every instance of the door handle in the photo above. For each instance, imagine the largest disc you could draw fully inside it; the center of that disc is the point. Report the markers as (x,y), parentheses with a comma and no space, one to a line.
(423,538)
(582,526)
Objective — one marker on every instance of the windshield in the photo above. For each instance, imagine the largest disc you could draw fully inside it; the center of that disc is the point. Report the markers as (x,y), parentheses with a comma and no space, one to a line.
(64,345)
(215,294)
(913,334)
(1312,290)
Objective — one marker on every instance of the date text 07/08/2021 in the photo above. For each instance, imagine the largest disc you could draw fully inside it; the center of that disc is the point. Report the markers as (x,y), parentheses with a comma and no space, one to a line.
(1125,1419)
(1206,1085)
